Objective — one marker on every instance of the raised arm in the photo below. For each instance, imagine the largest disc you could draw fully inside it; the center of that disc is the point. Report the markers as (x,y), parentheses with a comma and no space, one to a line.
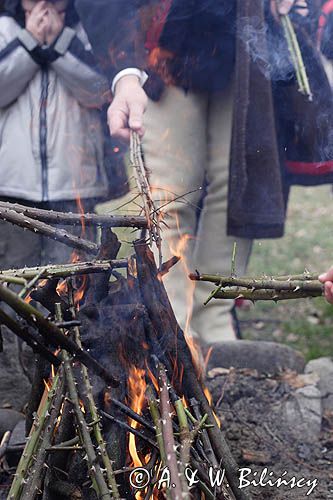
(17,66)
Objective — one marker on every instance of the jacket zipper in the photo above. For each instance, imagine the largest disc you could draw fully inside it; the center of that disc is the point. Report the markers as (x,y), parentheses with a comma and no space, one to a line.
(43,132)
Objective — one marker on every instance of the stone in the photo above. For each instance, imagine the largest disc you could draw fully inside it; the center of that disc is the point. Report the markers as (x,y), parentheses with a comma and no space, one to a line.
(18,434)
(323,367)
(16,439)
(9,419)
(265,357)
(301,414)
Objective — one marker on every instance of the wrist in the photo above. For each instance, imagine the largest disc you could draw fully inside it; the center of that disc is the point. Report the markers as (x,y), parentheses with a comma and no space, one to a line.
(133,72)
(126,80)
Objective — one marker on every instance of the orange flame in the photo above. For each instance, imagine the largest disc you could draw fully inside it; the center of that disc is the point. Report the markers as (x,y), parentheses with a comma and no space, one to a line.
(136,388)
(180,250)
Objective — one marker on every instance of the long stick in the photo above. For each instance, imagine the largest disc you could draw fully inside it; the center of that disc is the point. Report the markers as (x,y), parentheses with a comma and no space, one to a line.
(63,271)
(29,450)
(274,295)
(152,213)
(63,218)
(130,413)
(177,492)
(35,478)
(262,283)
(53,334)
(295,49)
(127,427)
(43,229)
(186,439)
(93,467)
(260,288)
(156,417)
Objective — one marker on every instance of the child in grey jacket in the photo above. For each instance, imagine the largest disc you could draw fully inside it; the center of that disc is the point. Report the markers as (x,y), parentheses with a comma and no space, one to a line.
(51,140)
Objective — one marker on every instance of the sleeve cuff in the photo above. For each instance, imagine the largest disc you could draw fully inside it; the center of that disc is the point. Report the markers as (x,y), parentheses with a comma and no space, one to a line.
(142,75)
(27,40)
(62,44)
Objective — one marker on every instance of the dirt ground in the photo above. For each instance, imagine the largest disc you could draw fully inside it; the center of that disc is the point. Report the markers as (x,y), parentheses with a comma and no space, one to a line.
(249,407)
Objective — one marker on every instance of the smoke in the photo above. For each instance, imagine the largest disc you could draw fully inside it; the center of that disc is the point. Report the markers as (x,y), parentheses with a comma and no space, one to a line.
(266,47)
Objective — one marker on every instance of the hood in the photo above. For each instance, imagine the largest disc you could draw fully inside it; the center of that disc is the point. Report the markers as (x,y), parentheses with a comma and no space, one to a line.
(13,8)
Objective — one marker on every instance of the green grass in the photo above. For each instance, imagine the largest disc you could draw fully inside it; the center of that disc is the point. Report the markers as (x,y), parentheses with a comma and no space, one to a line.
(306,325)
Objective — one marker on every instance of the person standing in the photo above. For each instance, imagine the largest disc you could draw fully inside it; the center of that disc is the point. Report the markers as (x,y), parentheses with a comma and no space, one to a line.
(51,140)
(214,161)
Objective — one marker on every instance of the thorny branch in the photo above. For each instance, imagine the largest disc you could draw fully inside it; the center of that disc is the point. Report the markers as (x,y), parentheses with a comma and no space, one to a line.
(153,215)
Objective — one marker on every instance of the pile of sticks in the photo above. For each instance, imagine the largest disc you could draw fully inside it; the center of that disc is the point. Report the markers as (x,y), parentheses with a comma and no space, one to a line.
(78,427)
(273,288)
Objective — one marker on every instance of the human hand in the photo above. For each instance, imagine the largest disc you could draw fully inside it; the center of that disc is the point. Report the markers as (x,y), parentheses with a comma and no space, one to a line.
(327,279)
(283,7)
(55,24)
(36,21)
(127,108)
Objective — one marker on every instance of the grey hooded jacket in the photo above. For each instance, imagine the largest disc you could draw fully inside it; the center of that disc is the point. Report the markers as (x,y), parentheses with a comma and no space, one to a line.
(51,141)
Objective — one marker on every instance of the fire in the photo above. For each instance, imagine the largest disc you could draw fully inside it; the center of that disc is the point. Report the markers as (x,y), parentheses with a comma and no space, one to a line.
(136,388)
(62,288)
(152,377)
(180,250)
(28,298)
(159,60)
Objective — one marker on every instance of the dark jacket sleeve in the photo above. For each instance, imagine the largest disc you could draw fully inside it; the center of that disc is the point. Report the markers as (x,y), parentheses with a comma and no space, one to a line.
(112,29)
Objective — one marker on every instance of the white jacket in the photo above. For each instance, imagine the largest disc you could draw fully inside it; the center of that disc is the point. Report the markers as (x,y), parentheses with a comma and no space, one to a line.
(51,141)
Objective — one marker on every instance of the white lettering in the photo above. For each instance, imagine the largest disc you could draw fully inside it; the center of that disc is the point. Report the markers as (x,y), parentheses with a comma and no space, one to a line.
(244,483)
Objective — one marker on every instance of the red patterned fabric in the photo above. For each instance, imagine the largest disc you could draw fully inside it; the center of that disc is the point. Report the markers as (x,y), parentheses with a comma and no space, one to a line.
(307,168)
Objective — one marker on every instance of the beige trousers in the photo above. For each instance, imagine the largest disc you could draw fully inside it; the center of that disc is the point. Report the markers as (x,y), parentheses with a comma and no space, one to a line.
(187,147)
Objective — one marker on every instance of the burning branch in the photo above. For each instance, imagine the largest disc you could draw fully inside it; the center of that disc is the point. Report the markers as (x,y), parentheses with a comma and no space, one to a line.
(171,337)
(128,324)
(53,334)
(72,219)
(43,229)
(19,276)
